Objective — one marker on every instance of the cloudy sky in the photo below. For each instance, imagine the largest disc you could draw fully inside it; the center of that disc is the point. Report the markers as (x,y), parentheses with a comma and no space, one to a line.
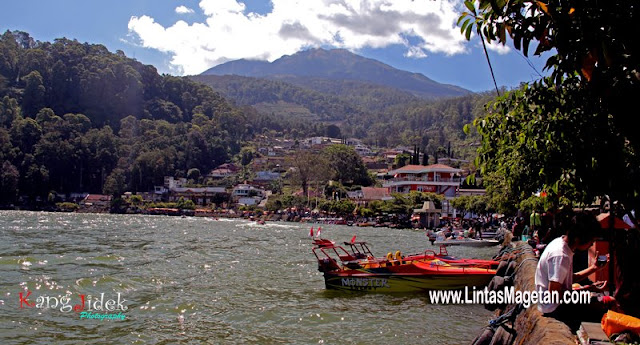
(189,36)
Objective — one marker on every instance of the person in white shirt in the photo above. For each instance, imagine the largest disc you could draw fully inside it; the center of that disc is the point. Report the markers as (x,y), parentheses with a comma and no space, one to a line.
(555,267)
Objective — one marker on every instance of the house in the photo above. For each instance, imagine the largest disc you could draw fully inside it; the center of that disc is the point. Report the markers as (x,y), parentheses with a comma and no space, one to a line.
(223,170)
(435,178)
(264,178)
(372,163)
(174,189)
(199,195)
(220,173)
(97,200)
(170,182)
(245,194)
(368,194)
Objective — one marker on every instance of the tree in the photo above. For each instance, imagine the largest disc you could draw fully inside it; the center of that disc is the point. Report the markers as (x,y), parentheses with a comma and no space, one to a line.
(348,167)
(185,204)
(193,174)
(115,184)
(401,160)
(246,155)
(9,179)
(333,131)
(34,93)
(9,111)
(570,135)
(594,66)
(308,168)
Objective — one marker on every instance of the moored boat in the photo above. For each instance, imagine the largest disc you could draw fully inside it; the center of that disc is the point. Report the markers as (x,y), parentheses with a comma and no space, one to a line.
(472,242)
(359,270)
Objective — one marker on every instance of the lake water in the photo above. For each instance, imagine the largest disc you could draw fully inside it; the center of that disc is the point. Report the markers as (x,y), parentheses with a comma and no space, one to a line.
(199,280)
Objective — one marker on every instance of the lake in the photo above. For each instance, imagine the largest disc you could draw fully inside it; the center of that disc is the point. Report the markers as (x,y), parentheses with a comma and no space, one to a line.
(199,280)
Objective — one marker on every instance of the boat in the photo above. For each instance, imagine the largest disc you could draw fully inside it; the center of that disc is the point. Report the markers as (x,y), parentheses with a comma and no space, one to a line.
(472,242)
(360,250)
(440,239)
(360,270)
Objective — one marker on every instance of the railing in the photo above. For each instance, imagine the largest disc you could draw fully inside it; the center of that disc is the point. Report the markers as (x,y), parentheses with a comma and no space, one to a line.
(425,179)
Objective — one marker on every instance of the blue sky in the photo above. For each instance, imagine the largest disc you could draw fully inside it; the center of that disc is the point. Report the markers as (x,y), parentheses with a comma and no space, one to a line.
(182,37)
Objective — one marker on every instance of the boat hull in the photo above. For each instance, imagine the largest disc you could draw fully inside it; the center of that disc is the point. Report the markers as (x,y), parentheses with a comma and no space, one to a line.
(469,243)
(403,283)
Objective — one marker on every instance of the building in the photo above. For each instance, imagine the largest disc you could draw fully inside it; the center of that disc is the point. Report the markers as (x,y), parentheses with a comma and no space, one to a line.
(245,194)
(368,194)
(363,150)
(98,200)
(174,189)
(223,170)
(199,195)
(435,178)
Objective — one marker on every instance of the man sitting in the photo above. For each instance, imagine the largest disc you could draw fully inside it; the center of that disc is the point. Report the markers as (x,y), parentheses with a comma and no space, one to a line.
(555,272)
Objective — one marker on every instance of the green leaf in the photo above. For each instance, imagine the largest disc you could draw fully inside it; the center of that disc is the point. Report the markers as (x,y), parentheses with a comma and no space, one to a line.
(468,33)
(470,6)
(463,16)
(465,129)
(466,22)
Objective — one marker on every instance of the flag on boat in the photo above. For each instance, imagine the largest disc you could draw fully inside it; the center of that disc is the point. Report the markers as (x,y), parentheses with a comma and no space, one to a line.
(353,239)
(311,232)
(318,232)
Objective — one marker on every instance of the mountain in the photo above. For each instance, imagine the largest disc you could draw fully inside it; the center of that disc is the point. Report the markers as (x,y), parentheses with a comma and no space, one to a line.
(338,65)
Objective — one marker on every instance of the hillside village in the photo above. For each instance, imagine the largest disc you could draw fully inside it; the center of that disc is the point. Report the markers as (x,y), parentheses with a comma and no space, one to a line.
(235,189)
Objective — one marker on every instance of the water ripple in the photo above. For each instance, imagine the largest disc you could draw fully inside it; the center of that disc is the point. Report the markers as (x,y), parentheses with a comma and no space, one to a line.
(194,281)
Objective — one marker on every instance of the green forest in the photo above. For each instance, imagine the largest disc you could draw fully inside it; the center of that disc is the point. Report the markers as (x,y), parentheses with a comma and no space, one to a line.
(75,117)
(382,116)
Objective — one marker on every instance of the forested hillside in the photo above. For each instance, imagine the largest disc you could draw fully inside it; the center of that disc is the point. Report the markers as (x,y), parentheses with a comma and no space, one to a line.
(262,92)
(380,115)
(76,117)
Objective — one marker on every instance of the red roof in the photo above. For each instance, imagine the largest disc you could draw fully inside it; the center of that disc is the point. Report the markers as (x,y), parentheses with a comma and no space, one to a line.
(424,168)
(440,166)
(374,193)
(97,197)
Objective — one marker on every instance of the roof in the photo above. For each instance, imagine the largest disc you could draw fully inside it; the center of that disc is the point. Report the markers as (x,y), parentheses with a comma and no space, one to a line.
(414,169)
(199,190)
(427,207)
(375,193)
(97,197)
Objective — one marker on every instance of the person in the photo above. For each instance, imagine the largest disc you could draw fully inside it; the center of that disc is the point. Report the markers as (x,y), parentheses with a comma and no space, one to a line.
(534,220)
(517,228)
(554,272)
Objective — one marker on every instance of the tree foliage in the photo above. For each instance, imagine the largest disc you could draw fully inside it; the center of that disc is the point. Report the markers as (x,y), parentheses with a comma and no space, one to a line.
(75,117)
(570,135)
(347,166)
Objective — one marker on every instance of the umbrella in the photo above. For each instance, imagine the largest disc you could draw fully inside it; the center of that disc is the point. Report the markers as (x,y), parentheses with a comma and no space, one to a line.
(605,222)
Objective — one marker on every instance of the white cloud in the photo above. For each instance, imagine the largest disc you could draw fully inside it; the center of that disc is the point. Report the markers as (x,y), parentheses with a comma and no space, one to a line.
(184,10)
(230,32)
(498,47)
(415,52)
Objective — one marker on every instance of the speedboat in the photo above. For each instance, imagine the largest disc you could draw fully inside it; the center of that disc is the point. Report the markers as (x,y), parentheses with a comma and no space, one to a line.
(360,250)
(360,270)
(472,242)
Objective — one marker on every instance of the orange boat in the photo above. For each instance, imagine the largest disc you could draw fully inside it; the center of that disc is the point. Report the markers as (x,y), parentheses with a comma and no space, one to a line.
(359,270)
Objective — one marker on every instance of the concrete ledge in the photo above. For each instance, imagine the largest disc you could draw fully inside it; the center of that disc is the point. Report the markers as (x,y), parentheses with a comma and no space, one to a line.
(532,328)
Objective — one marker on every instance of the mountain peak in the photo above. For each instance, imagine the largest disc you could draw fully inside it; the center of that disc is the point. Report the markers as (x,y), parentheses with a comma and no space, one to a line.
(339,64)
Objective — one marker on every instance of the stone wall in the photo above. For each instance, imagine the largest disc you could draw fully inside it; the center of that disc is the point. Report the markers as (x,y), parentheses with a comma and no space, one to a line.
(530,326)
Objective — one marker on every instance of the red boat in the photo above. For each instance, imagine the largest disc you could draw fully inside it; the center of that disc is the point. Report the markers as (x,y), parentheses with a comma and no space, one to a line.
(360,250)
(361,270)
